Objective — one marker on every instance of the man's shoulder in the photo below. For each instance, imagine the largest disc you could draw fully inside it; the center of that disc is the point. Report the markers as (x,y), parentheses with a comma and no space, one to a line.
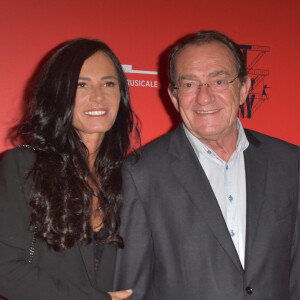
(271,145)
(155,153)
(158,145)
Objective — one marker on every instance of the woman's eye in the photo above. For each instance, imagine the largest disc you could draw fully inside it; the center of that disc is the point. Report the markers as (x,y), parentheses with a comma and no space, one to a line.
(81,84)
(110,84)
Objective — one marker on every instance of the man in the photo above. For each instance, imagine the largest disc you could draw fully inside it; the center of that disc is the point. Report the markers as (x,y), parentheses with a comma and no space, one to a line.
(211,211)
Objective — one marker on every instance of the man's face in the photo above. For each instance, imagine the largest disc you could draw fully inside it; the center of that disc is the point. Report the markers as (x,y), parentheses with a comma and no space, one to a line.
(209,115)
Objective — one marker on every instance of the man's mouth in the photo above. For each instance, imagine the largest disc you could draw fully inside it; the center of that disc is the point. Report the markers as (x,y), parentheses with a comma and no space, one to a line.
(206,112)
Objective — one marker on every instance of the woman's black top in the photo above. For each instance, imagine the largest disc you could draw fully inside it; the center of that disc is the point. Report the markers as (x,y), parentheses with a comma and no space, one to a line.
(98,246)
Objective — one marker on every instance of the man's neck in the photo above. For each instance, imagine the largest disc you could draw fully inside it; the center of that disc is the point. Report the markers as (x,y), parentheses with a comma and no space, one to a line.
(224,148)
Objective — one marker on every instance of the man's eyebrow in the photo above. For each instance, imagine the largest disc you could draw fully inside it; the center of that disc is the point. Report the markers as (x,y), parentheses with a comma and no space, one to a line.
(187,76)
(218,72)
(194,77)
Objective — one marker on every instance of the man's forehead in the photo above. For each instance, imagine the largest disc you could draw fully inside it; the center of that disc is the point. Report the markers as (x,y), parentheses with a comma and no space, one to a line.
(205,54)
(212,74)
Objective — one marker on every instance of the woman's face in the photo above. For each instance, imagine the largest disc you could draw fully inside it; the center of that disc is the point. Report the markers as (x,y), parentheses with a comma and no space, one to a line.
(97,98)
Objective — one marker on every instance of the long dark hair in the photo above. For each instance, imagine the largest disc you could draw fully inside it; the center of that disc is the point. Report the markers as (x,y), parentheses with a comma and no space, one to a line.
(61,200)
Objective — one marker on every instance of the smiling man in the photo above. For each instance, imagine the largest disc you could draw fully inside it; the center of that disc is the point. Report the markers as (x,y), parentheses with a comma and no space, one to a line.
(211,211)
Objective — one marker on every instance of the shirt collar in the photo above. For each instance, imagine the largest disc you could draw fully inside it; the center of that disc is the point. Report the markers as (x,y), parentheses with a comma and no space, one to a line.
(201,148)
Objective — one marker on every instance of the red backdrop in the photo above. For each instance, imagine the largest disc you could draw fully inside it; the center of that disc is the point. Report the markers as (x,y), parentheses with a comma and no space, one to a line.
(139,32)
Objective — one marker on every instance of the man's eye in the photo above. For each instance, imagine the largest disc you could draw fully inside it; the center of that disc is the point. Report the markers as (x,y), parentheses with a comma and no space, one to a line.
(187,85)
(110,84)
(81,84)
(220,82)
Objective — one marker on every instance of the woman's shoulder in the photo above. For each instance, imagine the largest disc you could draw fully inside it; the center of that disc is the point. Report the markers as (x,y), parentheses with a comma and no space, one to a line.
(19,158)
(14,190)
(20,151)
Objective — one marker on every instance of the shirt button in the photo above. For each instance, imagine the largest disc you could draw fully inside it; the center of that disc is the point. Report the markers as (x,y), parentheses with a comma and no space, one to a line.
(226,167)
(249,290)
(208,151)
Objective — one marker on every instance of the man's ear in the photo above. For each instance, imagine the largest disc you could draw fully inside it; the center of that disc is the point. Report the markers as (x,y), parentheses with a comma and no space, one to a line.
(245,90)
(174,97)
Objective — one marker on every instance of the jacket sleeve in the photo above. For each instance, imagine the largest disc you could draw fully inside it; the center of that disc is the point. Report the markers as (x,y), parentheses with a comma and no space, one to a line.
(20,280)
(135,260)
(295,261)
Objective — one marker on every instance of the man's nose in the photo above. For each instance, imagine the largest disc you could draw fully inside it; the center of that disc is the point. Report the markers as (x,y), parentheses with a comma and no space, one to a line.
(203,95)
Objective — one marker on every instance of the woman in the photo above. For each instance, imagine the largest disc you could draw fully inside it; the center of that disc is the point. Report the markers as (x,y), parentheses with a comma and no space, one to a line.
(60,195)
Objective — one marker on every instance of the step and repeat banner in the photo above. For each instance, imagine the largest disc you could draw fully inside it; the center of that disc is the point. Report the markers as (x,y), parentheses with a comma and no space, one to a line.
(140,33)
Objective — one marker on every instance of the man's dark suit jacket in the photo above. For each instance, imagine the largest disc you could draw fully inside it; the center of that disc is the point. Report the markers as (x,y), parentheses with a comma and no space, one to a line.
(52,275)
(177,245)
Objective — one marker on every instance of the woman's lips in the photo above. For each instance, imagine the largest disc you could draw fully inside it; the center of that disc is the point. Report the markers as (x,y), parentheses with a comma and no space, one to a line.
(95,112)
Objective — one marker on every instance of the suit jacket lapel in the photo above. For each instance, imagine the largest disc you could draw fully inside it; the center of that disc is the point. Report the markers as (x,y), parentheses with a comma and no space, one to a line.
(190,174)
(87,254)
(256,166)
(105,273)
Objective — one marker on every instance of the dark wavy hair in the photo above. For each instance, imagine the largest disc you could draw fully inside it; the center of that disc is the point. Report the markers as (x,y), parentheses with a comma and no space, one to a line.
(205,37)
(61,200)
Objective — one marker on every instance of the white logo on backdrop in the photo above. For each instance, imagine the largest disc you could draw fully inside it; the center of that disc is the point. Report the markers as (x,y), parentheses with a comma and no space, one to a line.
(140,82)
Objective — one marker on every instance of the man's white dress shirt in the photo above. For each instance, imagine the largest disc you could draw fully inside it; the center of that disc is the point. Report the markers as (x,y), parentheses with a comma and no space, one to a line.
(228,182)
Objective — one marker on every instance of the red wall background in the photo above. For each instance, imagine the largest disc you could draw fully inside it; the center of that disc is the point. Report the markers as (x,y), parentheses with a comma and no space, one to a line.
(139,32)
